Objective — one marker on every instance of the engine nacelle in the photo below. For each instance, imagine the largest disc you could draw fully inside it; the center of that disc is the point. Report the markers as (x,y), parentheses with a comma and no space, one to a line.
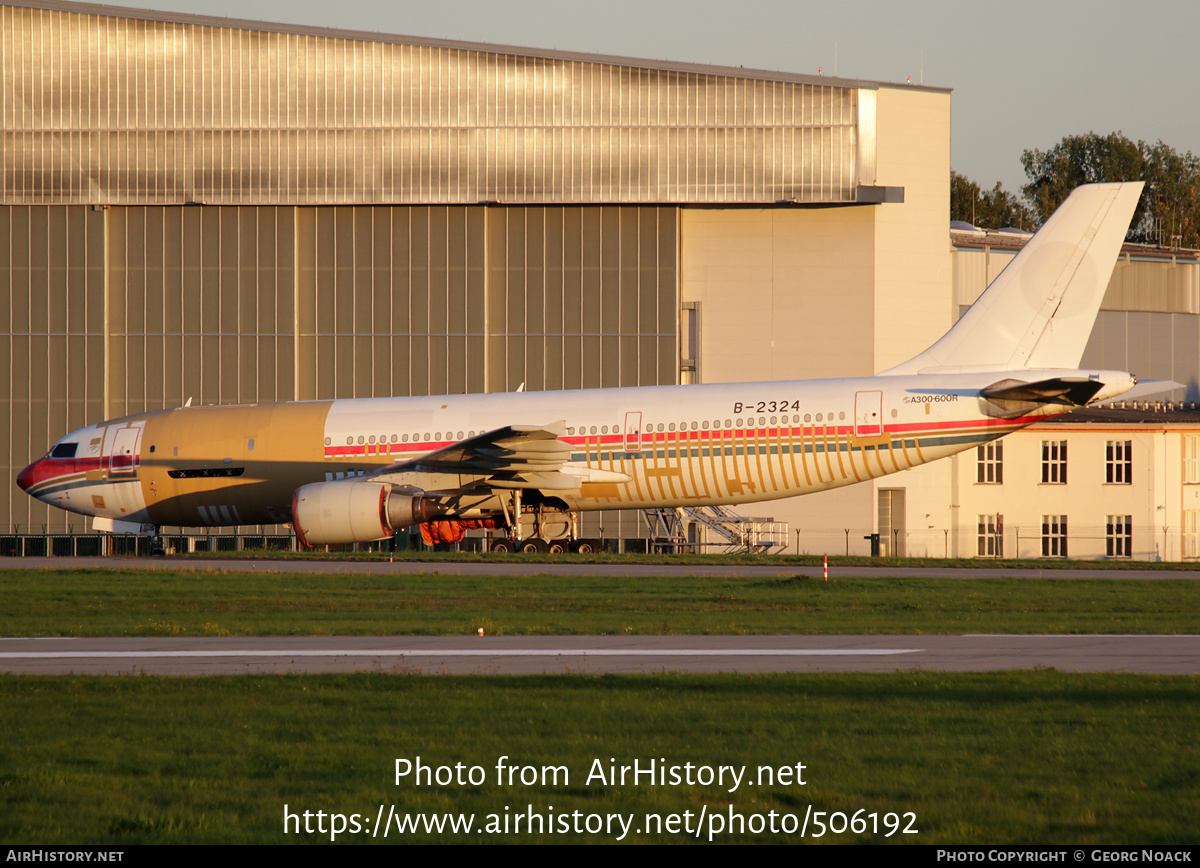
(357,510)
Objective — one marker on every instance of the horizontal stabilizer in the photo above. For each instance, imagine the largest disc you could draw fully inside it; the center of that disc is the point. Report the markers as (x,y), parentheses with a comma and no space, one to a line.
(1148,388)
(1068,391)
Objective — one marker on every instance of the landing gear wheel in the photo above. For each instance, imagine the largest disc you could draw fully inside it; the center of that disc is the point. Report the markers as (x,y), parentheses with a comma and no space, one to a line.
(532,546)
(557,547)
(157,549)
(502,545)
(588,546)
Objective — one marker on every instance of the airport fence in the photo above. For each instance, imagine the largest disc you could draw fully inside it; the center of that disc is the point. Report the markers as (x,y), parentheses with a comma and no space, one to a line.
(34,545)
(1021,542)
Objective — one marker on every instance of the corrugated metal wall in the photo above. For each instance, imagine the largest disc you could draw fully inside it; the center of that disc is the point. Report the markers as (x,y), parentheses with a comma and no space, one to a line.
(52,338)
(391,301)
(1141,284)
(1149,344)
(108,110)
(582,297)
(118,310)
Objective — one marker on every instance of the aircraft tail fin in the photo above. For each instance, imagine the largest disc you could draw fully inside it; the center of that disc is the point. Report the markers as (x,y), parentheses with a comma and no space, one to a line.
(1038,313)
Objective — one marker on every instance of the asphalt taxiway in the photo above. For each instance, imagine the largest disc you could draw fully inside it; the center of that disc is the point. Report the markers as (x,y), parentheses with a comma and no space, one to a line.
(513,655)
(509,655)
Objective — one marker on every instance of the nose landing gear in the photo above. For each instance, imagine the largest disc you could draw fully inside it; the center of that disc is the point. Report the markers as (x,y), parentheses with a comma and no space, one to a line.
(157,548)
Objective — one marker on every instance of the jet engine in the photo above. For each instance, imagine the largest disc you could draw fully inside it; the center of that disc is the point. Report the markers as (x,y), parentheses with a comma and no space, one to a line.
(357,510)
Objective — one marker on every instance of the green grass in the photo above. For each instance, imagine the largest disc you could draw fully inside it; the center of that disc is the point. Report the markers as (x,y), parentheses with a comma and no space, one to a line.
(1036,757)
(805,560)
(106,602)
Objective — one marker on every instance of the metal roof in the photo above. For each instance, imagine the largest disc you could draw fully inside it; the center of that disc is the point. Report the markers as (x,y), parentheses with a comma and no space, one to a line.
(462,45)
(108,105)
(1131,413)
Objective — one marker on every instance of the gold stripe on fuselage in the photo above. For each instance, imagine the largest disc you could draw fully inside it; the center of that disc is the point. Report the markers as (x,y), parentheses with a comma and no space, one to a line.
(277,448)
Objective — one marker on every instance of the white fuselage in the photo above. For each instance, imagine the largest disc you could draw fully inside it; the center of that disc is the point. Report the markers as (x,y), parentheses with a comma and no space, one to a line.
(668,445)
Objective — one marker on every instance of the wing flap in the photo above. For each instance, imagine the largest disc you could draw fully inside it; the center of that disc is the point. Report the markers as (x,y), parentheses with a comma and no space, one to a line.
(516,456)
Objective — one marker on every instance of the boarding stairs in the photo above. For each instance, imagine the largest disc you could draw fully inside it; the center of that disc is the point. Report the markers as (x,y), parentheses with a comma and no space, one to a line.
(694,528)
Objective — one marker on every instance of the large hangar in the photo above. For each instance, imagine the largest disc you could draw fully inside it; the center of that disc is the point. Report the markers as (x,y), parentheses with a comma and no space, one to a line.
(229,211)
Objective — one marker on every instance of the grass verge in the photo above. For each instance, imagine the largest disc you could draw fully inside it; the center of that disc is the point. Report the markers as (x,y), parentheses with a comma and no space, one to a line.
(1034,757)
(106,602)
(835,561)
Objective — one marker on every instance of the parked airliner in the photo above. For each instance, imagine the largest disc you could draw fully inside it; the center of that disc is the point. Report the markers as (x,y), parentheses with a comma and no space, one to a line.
(348,471)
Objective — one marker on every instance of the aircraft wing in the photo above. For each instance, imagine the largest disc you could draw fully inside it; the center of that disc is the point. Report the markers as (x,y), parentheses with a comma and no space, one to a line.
(515,456)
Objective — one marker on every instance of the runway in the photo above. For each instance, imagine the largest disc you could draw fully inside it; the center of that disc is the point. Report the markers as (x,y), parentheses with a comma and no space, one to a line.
(516,568)
(512,655)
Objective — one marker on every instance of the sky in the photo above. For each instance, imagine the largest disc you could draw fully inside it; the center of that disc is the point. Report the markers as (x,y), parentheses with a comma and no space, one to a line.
(1024,74)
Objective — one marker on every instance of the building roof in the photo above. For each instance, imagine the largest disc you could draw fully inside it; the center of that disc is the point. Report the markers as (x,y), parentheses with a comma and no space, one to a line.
(462,45)
(1132,413)
(115,106)
(966,239)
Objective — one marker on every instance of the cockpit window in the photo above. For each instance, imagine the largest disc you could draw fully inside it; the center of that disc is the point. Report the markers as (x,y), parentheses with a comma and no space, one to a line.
(64,450)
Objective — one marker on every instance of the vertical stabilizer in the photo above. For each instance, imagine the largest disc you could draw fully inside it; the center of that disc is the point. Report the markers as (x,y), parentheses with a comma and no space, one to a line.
(1038,313)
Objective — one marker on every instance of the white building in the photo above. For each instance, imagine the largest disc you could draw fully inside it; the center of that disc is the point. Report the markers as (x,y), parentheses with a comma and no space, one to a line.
(1098,483)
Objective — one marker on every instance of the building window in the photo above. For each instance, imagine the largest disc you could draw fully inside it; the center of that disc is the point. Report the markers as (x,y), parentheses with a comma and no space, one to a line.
(1054,462)
(1119,533)
(1118,455)
(1191,533)
(1054,536)
(991,536)
(1191,458)
(991,463)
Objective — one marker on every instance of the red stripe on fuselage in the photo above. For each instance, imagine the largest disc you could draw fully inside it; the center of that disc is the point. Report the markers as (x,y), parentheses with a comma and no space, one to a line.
(48,469)
(406,452)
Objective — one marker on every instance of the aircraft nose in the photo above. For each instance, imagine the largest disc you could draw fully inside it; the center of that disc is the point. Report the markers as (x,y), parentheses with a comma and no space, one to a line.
(27,477)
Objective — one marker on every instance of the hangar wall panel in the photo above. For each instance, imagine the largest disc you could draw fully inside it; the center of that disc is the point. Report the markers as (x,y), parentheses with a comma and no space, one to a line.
(582,298)
(51,338)
(1168,285)
(110,110)
(118,310)
(199,306)
(1150,345)
(390,301)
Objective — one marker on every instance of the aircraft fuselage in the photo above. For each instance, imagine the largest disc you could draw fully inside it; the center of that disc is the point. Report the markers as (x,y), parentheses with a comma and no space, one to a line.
(674,445)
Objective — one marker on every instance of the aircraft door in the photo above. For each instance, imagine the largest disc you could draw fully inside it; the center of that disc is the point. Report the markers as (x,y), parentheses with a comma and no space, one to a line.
(124,458)
(122,497)
(633,431)
(868,414)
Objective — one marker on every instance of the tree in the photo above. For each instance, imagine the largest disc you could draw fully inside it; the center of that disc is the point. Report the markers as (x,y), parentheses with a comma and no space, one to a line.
(1169,210)
(994,209)
(1173,189)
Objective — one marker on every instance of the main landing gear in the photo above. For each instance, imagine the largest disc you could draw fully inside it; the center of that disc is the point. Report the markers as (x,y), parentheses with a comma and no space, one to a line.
(541,546)
(561,521)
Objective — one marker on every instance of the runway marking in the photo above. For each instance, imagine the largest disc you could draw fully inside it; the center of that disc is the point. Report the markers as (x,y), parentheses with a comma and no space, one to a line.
(1081,635)
(458,652)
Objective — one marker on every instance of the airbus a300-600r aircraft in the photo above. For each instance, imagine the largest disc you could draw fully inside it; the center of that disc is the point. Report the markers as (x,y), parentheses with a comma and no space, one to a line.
(356,470)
